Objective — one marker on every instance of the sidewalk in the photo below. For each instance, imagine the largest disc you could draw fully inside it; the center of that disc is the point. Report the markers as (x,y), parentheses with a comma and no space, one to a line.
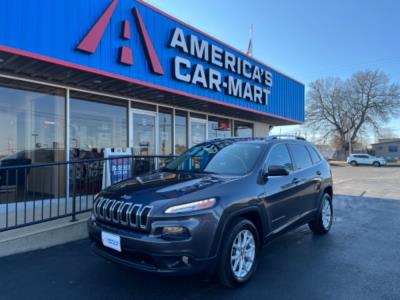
(43,235)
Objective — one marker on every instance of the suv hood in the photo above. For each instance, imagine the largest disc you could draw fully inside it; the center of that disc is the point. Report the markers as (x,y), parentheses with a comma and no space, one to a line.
(161,186)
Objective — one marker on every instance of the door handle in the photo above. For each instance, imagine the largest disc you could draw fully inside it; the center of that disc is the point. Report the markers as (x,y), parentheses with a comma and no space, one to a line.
(319,173)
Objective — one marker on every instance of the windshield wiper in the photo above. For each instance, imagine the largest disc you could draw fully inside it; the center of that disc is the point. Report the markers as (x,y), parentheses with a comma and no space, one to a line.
(188,171)
(204,172)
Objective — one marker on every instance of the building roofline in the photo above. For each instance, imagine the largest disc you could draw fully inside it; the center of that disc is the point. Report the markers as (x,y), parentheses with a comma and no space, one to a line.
(387,142)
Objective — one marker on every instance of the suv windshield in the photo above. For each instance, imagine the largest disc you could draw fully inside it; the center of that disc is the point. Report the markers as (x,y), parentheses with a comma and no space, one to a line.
(234,159)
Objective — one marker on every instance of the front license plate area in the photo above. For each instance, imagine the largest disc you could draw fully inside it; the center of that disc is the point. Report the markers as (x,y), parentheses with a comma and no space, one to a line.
(110,240)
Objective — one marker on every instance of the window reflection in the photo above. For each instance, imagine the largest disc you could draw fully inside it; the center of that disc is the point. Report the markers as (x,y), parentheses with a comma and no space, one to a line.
(144,133)
(165,132)
(32,125)
(219,128)
(243,129)
(95,126)
(180,132)
(198,131)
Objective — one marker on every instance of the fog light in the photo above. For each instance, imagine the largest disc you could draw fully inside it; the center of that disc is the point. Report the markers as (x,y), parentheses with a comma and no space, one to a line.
(173,230)
(185,260)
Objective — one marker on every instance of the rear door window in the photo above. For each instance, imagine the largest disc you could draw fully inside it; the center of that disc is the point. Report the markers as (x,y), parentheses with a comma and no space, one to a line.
(316,158)
(301,156)
(279,156)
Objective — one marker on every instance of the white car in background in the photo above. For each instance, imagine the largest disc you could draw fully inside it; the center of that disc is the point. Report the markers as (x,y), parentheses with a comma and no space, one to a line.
(365,159)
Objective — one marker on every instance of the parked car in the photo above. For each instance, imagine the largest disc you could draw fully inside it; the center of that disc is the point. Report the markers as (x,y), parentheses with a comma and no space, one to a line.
(365,159)
(212,208)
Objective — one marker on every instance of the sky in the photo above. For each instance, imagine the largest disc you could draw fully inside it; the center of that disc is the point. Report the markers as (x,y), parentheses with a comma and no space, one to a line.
(307,39)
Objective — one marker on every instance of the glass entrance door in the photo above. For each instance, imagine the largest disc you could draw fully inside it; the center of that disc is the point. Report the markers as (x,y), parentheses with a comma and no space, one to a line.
(198,131)
(144,132)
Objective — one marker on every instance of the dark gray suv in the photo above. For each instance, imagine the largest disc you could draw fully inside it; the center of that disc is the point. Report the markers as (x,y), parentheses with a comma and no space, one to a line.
(212,208)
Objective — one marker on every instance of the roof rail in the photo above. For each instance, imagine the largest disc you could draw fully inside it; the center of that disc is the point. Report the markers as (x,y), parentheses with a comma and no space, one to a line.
(235,138)
(285,136)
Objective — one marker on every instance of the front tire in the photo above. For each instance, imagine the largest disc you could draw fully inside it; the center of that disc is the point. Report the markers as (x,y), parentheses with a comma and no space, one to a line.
(354,163)
(239,254)
(323,223)
(377,164)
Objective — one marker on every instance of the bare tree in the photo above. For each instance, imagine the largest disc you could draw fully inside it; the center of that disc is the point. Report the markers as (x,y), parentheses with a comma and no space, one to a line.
(345,109)
(386,133)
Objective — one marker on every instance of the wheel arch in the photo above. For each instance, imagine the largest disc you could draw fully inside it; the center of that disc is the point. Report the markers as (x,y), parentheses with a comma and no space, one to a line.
(253,214)
(328,190)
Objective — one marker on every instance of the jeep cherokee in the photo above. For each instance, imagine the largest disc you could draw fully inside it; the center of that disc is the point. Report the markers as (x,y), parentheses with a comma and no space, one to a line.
(212,208)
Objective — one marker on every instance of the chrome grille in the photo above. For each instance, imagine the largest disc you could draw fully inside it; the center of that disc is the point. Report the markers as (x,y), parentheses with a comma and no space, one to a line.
(122,213)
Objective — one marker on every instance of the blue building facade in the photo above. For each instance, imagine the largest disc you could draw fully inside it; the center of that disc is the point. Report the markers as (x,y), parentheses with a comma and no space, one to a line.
(56,30)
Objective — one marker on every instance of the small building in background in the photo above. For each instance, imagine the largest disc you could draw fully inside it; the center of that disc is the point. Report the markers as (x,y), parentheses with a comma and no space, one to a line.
(387,148)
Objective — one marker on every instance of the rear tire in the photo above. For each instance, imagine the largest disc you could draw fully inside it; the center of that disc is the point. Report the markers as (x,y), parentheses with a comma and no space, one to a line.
(238,260)
(376,164)
(323,223)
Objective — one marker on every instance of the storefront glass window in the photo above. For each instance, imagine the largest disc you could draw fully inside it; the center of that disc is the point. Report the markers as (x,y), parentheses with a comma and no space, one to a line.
(198,129)
(32,131)
(219,128)
(243,129)
(144,133)
(31,125)
(180,132)
(95,126)
(165,131)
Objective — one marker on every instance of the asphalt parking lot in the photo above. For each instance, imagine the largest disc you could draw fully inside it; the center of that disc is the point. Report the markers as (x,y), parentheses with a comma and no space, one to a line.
(366,181)
(358,259)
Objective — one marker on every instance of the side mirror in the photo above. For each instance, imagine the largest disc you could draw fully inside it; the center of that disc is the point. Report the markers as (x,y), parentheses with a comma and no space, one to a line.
(276,171)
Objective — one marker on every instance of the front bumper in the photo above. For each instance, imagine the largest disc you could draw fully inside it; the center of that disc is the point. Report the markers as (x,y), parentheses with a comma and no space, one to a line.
(154,254)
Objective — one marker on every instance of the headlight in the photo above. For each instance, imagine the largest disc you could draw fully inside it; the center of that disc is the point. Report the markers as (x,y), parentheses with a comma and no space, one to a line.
(192,206)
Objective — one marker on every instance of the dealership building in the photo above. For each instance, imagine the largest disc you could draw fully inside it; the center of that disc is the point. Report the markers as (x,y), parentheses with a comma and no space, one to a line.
(80,76)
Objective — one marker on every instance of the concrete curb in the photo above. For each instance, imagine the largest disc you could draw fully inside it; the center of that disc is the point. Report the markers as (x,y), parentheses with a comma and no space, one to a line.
(43,236)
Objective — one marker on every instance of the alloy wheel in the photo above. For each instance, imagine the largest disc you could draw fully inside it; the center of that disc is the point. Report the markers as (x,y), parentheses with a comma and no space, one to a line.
(326,214)
(243,254)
